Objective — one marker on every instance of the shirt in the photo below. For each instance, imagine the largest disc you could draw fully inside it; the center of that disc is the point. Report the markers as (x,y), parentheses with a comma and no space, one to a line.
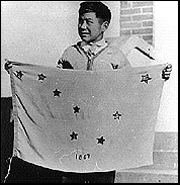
(105,57)
(94,47)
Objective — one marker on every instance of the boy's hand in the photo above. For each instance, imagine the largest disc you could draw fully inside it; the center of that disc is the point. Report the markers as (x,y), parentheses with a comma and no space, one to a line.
(8,65)
(166,72)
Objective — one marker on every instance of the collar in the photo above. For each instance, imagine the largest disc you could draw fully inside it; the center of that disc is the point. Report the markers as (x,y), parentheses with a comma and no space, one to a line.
(100,44)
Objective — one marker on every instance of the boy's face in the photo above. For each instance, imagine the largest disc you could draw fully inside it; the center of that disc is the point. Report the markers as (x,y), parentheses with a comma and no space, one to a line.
(90,27)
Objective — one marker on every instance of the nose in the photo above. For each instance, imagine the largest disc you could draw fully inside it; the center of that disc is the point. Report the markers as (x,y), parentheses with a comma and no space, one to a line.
(83,25)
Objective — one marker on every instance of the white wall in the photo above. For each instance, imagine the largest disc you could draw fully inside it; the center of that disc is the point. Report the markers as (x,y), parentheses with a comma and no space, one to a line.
(166,48)
(38,31)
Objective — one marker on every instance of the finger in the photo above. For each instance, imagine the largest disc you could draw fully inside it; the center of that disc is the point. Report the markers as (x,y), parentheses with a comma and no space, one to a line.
(60,66)
(169,65)
(168,69)
(166,75)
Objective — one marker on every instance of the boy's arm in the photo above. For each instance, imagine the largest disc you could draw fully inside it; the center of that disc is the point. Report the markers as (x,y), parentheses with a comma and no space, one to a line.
(63,62)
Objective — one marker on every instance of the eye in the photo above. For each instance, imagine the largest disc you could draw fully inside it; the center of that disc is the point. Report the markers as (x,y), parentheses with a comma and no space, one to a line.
(89,22)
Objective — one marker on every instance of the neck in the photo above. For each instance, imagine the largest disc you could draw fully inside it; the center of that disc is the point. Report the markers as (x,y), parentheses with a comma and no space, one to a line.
(100,37)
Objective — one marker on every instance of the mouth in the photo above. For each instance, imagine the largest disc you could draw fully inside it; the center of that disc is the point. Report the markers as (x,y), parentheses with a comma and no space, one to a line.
(84,33)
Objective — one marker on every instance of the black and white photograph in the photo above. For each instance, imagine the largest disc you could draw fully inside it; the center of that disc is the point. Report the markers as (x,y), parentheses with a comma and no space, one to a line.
(89,91)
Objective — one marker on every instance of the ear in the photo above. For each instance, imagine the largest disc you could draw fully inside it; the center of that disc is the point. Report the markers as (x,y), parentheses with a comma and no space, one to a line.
(104,26)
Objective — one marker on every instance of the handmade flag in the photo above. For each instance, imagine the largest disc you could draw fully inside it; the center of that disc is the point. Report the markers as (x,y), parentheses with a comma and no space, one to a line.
(85,121)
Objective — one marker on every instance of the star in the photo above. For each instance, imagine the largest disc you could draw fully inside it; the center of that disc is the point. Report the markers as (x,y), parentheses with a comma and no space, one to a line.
(100,140)
(19,74)
(117,115)
(56,92)
(74,135)
(41,77)
(76,109)
(145,78)
(114,66)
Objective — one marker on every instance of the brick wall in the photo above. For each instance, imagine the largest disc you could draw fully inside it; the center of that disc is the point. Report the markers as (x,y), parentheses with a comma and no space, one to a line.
(136,17)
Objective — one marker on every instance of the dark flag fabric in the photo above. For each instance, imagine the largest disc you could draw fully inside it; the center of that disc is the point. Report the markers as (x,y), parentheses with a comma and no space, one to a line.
(85,121)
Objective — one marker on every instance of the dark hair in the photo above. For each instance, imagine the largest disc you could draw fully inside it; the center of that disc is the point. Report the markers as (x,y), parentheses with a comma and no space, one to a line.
(101,10)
